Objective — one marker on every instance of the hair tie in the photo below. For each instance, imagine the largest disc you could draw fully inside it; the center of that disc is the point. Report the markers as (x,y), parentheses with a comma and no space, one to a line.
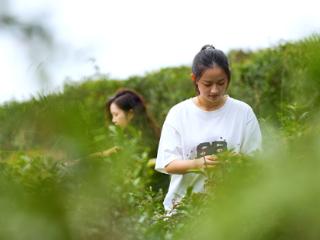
(208,46)
(204,162)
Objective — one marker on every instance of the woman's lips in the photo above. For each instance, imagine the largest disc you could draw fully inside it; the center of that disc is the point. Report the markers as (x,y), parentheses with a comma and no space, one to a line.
(214,97)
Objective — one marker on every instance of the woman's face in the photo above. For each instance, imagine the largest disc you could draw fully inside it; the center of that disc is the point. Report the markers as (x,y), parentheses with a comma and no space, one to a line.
(120,117)
(213,85)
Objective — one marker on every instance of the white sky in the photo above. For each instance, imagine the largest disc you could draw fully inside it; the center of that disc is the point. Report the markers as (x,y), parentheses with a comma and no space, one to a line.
(130,37)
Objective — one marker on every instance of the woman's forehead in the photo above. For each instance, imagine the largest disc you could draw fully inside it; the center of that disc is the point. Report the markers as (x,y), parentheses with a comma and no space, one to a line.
(114,108)
(214,73)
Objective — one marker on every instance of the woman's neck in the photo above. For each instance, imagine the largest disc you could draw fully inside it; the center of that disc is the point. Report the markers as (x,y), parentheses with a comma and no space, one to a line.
(209,106)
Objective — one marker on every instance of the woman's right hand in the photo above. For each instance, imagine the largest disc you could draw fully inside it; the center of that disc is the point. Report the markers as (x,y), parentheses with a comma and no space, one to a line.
(195,165)
(209,161)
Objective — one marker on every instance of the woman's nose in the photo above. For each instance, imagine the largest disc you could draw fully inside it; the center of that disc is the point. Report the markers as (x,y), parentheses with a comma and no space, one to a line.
(214,89)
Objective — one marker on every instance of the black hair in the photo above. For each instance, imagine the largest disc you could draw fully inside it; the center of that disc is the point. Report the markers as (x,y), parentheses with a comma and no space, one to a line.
(127,100)
(209,57)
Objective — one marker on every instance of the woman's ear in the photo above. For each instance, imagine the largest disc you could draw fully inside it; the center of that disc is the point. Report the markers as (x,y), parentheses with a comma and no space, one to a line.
(193,77)
(130,115)
(194,80)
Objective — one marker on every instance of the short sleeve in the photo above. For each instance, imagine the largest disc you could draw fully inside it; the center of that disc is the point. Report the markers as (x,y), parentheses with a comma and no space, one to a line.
(252,134)
(169,147)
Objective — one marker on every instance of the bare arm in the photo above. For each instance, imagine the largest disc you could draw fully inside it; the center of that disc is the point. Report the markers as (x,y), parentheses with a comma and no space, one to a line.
(106,153)
(184,166)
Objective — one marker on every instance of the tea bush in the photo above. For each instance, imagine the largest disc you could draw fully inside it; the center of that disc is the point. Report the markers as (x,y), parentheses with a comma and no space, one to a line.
(53,187)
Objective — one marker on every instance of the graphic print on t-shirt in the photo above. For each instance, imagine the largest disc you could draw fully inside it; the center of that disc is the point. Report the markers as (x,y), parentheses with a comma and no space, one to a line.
(209,148)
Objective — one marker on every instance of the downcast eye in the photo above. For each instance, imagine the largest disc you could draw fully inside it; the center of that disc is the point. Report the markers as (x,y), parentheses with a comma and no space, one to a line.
(207,84)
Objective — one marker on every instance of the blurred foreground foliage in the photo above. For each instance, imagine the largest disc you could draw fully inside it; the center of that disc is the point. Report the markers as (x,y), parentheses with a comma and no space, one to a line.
(52,188)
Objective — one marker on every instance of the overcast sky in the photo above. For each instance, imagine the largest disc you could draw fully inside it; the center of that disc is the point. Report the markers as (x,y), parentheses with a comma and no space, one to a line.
(126,37)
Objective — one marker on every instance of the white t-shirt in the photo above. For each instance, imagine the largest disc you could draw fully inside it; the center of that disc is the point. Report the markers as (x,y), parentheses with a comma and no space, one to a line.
(190,132)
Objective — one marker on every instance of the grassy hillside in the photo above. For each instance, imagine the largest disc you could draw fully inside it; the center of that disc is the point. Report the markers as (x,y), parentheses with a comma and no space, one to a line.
(51,189)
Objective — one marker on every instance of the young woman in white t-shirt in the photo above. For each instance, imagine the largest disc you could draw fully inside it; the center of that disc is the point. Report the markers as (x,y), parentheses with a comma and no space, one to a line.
(199,127)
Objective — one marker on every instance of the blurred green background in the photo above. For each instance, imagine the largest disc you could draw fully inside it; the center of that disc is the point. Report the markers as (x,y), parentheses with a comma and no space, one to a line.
(51,189)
